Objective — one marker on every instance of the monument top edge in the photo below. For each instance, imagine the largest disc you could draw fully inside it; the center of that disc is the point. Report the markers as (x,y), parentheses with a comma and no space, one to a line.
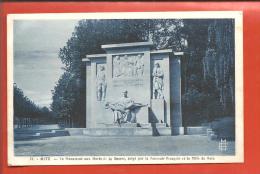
(167,51)
(161,51)
(179,53)
(132,44)
(95,55)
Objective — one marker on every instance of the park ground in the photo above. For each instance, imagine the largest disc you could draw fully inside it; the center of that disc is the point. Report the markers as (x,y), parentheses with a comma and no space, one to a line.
(117,146)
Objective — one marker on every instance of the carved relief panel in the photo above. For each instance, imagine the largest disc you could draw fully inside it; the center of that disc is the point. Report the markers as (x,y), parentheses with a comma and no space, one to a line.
(101,83)
(130,65)
(158,80)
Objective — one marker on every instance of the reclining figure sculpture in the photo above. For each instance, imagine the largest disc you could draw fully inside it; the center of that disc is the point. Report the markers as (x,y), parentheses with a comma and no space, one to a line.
(124,110)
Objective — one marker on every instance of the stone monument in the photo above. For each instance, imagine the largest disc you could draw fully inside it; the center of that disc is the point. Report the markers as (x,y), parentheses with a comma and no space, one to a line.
(134,87)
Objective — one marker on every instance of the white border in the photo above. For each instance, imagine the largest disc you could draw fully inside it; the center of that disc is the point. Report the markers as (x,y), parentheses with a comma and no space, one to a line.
(54,160)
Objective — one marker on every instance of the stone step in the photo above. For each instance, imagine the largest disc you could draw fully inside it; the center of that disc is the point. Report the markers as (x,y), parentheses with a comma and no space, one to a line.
(122,131)
(196,130)
(121,125)
(33,131)
(26,137)
(133,125)
(162,131)
(75,131)
(157,125)
(40,127)
(119,131)
(35,135)
(210,132)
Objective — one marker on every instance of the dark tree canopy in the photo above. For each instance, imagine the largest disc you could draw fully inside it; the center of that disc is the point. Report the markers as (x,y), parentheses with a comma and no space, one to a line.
(198,85)
(26,108)
(208,71)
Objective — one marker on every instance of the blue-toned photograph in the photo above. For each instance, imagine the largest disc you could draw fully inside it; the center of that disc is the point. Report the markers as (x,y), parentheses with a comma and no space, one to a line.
(124,87)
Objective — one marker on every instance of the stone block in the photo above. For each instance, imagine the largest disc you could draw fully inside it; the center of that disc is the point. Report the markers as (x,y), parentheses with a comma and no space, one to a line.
(117,132)
(177,130)
(143,115)
(157,111)
(75,131)
(161,131)
(61,133)
(113,125)
(199,130)
(123,131)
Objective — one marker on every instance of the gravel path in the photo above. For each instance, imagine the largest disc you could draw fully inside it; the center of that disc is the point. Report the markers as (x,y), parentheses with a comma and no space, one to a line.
(116,146)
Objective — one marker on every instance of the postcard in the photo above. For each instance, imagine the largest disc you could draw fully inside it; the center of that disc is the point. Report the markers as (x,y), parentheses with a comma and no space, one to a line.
(125,88)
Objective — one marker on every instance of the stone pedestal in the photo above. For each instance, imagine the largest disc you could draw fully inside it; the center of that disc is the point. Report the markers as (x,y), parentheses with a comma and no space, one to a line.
(143,115)
(127,129)
(177,130)
(157,114)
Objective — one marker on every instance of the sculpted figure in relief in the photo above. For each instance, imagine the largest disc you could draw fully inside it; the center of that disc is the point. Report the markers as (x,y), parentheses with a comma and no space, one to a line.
(128,66)
(139,66)
(101,83)
(125,109)
(157,82)
(117,67)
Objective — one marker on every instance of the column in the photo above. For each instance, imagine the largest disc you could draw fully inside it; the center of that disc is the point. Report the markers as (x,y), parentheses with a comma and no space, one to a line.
(175,82)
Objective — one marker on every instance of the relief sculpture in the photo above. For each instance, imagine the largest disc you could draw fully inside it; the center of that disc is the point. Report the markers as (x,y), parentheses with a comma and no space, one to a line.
(128,66)
(158,82)
(101,83)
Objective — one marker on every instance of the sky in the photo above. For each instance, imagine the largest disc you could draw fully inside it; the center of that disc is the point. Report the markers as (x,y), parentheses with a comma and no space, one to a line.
(37,67)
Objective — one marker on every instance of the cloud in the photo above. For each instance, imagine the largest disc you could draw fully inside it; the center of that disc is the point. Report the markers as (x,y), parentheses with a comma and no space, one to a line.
(29,92)
(36,64)
(45,103)
(42,34)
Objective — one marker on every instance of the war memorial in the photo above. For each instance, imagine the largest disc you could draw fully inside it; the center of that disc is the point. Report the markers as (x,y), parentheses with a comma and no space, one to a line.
(133,90)
(119,101)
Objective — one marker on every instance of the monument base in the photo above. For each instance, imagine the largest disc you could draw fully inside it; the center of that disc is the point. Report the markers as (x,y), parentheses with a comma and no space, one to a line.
(157,111)
(128,129)
(178,131)
(198,130)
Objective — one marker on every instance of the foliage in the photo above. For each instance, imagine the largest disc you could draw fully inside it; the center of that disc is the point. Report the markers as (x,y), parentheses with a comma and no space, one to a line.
(69,94)
(208,71)
(203,96)
(26,108)
(219,62)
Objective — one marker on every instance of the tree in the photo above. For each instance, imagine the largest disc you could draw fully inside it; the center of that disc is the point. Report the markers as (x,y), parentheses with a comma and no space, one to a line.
(69,93)
(23,107)
(219,62)
(26,108)
(207,69)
